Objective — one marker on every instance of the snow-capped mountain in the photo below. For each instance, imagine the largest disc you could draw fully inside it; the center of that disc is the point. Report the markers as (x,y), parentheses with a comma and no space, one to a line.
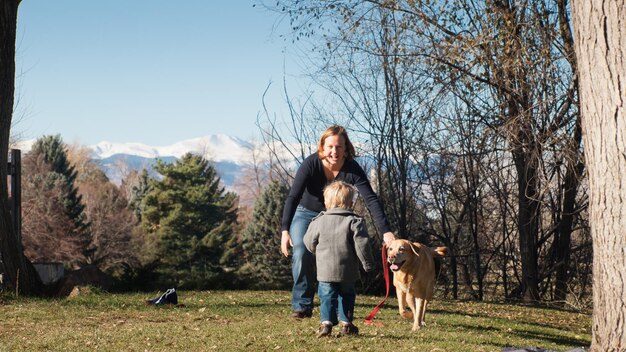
(214,147)
(229,155)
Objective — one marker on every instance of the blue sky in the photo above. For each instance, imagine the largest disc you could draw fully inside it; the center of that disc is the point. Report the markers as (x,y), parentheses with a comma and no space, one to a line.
(148,71)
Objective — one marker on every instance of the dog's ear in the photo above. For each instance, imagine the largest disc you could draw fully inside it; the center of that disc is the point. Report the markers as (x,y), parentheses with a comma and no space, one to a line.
(415,247)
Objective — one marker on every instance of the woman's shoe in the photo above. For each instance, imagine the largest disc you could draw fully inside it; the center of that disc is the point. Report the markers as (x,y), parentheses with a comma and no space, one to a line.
(299,314)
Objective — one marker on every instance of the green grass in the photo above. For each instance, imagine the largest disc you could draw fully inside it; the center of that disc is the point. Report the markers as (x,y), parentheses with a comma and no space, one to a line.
(260,321)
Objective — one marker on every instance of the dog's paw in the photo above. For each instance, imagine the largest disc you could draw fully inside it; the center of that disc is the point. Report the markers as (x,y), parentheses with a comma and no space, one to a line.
(407,314)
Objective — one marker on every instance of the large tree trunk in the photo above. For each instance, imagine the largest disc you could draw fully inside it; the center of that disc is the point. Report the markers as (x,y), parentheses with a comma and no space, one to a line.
(528,226)
(17,269)
(573,174)
(600,32)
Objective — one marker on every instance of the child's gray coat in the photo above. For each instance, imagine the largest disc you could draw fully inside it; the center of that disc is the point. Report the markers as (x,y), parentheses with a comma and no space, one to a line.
(338,238)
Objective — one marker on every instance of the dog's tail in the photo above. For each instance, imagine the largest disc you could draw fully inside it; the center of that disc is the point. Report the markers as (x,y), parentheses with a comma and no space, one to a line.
(440,251)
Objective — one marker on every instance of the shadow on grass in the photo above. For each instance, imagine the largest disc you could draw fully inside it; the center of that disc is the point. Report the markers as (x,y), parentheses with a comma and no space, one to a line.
(557,339)
(528,334)
(485,314)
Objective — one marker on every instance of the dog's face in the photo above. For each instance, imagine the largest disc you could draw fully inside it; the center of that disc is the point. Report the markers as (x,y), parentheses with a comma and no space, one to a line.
(399,253)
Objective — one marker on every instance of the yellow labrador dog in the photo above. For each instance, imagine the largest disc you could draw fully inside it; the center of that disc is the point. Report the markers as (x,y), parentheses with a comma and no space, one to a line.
(413,265)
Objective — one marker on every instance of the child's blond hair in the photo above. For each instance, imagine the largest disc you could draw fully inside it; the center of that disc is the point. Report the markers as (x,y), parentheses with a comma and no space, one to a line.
(339,195)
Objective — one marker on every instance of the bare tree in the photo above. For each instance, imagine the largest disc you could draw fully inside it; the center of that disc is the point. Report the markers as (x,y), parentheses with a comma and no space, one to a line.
(47,229)
(288,139)
(601,54)
(253,178)
(111,247)
(508,53)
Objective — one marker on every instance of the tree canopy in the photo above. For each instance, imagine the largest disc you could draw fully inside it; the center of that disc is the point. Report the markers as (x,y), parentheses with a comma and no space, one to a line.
(188,217)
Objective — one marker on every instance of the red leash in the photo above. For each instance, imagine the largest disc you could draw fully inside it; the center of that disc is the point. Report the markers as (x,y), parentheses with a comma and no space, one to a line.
(369,319)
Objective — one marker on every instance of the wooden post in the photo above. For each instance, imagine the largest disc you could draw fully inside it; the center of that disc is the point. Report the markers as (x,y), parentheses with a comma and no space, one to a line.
(15,190)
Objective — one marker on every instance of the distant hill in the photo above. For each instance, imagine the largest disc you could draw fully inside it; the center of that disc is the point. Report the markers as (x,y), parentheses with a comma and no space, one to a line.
(229,154)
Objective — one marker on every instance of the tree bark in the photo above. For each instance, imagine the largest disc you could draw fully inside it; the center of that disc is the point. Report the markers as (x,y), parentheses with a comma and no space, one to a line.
(528,207)
(573,174)
(601,54)
(18,271)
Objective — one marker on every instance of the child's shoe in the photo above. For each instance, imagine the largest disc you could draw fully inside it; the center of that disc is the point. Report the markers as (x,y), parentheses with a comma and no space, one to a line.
(349,329)
(325,330)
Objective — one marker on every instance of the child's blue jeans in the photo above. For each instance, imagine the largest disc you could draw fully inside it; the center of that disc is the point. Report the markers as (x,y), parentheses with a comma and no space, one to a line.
(336,301)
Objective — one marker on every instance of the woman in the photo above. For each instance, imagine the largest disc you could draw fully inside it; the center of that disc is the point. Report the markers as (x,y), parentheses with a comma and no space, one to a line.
(334,160)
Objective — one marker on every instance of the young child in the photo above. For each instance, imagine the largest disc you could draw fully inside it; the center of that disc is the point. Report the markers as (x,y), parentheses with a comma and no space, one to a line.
(339,240)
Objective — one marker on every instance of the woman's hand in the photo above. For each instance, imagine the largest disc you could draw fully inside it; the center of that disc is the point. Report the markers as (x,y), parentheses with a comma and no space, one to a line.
(285,242)
(388,237)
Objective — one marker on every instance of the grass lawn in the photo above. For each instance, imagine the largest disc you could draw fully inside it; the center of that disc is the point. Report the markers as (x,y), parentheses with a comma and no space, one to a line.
(260,321)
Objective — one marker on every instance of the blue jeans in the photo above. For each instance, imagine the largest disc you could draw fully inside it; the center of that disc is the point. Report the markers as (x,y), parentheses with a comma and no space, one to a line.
(336,300)
(303,261)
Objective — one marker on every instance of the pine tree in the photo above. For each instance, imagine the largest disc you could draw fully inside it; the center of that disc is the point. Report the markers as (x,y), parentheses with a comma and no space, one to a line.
(266,267)
(54,154)
(188,217)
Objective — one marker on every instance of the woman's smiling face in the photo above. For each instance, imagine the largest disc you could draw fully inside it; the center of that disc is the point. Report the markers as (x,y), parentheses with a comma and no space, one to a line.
(334,149)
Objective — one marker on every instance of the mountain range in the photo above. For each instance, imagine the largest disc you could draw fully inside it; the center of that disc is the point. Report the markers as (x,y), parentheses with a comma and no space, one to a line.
(229,155)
